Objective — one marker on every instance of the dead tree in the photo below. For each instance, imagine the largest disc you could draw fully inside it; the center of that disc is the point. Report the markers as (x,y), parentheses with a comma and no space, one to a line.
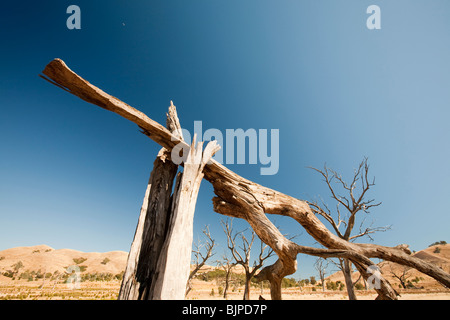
(349,204)
(202,252)
(151,231)
(345,267)
(401,275)
(43,280)
(242,198)
(242,256)
(160,242)
(321,266)
(227,265)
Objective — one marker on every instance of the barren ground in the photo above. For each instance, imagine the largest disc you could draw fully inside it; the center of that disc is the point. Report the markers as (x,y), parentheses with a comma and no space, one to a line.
(108,291)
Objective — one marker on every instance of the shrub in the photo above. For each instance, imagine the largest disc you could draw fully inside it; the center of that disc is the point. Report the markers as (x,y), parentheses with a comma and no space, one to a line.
(8,273)
(103,276)
(437,243)
(105,261)
(17,266)
(359,286)
(288,283)
(332,285)
(416,280)
(26,275)
(213,275)
(82,268)
(79,260)
(119,276)
(437,250)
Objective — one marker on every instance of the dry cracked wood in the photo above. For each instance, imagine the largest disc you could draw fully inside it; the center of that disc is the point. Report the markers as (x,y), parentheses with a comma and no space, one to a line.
(159,258)
(174,262)
(239,197)
(151,232)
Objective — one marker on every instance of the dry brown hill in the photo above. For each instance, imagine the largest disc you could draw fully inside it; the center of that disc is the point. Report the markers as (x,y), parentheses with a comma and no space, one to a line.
(47,259)
(437,254)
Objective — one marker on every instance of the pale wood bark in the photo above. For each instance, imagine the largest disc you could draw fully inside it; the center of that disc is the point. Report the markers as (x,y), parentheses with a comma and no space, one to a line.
(151,231)
(239,197)
(129,288)
(174,263)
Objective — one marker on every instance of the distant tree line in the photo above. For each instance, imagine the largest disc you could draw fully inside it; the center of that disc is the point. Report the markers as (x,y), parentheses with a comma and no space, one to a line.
(437,243)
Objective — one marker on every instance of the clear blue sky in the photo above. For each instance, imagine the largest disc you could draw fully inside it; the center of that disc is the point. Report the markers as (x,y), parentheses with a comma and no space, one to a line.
(73,175)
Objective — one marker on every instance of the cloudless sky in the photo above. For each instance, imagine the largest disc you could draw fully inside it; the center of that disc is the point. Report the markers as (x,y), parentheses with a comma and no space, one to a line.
(73,175)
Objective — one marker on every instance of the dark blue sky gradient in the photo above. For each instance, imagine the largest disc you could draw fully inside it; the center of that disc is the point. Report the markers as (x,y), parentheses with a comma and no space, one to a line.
(73,175)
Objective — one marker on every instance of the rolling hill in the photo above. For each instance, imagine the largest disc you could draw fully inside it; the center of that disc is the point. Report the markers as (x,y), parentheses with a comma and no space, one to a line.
(48,260)
(436,254)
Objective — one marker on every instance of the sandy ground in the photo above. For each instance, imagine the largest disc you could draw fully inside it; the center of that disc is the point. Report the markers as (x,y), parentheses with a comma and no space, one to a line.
(109,291)
(47,259)
(98,290)
(331,296)
(361,295)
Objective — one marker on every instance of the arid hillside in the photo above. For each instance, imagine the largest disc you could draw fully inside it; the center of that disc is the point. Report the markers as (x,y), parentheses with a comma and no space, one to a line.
(40,272)
(49,260)
(399,275)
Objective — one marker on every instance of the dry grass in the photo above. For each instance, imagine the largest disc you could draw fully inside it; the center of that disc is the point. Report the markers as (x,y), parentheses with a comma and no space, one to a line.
(98,290)
(48,260)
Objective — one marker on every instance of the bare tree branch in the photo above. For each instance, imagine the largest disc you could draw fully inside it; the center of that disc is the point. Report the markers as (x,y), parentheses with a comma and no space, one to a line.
(246,250)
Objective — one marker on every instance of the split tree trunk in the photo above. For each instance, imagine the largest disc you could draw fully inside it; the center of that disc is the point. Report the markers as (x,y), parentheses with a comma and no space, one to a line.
(159,257)
(174,263)
(151,231)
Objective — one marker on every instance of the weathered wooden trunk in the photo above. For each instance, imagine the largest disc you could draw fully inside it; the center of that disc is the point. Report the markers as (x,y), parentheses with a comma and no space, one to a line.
(174,263)
(151,231)
(159,258)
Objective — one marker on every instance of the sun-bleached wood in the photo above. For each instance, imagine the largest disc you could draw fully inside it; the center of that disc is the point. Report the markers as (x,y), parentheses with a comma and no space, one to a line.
(174,262)
(151,232)
(241,198)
